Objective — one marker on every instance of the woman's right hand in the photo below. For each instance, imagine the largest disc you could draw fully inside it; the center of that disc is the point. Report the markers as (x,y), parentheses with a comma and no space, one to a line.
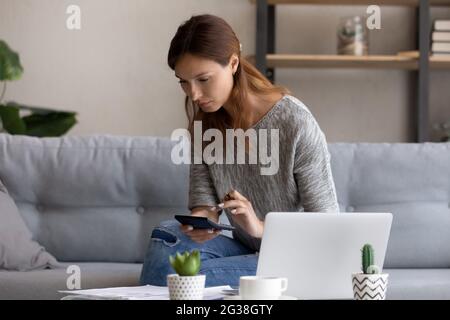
(202,235)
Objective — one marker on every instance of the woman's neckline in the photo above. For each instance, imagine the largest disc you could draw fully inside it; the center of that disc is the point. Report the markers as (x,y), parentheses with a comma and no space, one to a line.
(268,114)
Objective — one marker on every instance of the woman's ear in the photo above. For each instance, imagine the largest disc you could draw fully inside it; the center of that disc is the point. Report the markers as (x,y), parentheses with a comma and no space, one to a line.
(234,63)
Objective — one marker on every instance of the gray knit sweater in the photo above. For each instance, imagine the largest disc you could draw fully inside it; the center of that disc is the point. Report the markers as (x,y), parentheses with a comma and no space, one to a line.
(303,181)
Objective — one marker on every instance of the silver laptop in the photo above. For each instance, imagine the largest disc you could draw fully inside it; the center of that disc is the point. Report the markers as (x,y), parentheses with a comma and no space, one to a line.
(318,252)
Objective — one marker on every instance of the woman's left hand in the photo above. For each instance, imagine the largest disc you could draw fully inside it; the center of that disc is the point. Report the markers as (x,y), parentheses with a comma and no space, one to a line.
(243,214)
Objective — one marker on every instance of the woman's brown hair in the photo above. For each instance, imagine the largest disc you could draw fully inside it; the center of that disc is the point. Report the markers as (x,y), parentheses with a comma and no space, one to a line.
(211,37)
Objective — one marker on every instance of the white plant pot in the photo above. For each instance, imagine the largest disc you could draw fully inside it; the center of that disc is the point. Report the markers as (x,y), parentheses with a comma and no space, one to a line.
(369,286)
(186,287)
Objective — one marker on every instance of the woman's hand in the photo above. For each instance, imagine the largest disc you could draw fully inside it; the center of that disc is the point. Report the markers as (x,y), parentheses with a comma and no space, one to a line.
(202,235)
(243,214)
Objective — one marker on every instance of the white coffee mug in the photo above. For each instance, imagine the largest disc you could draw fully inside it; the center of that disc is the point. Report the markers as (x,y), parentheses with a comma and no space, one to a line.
(262,288)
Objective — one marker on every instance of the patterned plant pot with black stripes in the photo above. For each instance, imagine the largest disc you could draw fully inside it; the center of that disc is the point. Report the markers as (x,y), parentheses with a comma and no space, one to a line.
(186,287)
(369,286)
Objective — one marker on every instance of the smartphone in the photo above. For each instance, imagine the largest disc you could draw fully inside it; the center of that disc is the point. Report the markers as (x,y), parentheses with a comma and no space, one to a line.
(201,222)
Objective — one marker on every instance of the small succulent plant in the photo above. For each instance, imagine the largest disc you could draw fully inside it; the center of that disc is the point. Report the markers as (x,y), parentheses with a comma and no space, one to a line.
(187,263)
(368,266)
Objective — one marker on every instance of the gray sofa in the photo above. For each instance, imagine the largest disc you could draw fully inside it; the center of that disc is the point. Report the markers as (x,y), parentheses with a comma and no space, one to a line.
(92,201)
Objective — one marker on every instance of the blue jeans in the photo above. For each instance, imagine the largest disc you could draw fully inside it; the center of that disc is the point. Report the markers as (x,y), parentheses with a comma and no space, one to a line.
(224,259)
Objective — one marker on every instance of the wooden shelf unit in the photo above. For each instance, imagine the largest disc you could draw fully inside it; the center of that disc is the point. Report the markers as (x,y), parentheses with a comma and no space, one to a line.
(266,59)
(340,61)
(439,63)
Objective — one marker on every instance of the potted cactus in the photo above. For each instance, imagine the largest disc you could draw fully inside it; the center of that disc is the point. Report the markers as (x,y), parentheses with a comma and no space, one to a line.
(186,284)
(371,284)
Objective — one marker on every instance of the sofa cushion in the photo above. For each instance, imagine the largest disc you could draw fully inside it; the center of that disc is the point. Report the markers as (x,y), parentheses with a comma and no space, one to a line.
(420,284)
(18,251)
(94,198)
(412,181)
(45,284)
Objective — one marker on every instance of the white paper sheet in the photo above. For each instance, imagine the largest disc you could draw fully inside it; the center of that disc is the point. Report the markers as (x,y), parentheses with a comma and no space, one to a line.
(146,292)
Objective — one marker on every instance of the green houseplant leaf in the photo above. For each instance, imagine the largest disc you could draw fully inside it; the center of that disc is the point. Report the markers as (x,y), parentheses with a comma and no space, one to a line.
(53,124)
(186,264)
(11,120)
(10,67)
(42,122)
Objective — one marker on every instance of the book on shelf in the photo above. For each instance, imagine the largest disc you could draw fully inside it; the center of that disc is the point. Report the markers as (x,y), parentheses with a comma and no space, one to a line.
(440,36)
(441,55)
(442,25)
(440,45)
(443,47)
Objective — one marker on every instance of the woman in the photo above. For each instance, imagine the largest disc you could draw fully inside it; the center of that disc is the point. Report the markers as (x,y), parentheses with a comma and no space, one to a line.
(224,91)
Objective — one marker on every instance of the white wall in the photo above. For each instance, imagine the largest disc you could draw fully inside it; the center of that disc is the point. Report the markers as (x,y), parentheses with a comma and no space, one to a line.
(113,71)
